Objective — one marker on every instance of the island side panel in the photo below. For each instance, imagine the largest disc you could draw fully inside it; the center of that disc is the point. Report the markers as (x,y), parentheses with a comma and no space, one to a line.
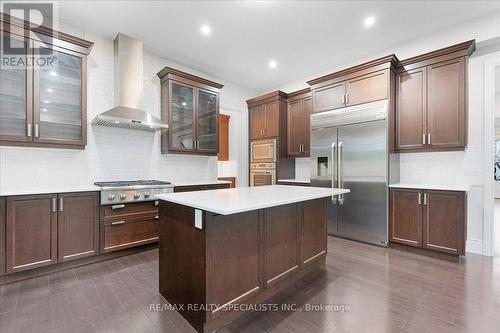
(182,261)
(313,233)
(233,260)
(281,242)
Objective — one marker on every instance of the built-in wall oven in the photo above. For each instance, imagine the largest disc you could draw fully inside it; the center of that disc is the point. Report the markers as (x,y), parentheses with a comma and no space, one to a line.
(263,162)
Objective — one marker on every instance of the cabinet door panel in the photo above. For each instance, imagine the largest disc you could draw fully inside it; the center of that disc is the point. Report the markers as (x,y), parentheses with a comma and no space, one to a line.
(223,153)
(59,106)
(313,231)
(78,225)
(31,232)
(181,119)
(306,124)
(271,119)
(406,217)
(329,97)
(2,235)
(15,96)
(280,243)
(295,127)
(206,120)
(444,221)
(411,106)
(256,122)
(446,104)
(368,88)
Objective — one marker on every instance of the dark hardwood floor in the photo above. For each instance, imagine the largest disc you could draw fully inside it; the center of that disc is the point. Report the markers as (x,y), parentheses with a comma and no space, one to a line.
(384,290)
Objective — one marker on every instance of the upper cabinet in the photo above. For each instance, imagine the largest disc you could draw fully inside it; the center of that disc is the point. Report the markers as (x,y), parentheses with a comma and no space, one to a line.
(361,84)
(431,100)
(298,112)
(190,105)
(223,138)
(266,113)
(43,105)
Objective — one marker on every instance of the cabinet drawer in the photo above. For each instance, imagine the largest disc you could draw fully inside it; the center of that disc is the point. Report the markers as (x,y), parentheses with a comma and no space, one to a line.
(125,234)
(216,186)
(129,210)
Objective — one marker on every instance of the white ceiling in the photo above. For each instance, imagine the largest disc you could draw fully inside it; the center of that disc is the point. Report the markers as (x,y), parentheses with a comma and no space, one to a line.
(305,37)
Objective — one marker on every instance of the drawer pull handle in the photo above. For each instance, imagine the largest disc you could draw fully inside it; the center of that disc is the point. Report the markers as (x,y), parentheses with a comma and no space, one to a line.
(157,217)
(157,203)
(117,222)
(117,207)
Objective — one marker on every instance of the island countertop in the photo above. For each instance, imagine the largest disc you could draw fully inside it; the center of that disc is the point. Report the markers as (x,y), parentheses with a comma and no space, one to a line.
(243,199)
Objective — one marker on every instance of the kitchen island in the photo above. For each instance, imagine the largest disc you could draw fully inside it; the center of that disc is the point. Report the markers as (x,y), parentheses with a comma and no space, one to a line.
(225,251)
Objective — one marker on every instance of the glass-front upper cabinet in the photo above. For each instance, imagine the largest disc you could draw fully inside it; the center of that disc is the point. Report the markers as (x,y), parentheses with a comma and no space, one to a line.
(206,126)
(58,107)
(15,92)
(191,107)
(43,98)
(181,122)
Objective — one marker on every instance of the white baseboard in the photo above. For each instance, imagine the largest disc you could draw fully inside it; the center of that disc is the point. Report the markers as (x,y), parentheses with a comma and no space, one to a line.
(474,246)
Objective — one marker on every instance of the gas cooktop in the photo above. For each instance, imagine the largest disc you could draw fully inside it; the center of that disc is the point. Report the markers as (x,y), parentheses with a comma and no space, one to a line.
(132,190)
(131,183)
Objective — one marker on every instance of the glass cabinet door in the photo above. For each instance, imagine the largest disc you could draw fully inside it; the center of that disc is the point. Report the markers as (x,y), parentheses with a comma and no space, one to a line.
(206,125)
(58,109)
(15,99)
(181,117)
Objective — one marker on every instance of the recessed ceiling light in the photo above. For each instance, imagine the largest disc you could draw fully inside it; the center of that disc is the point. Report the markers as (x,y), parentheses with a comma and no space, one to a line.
(53,73)
(273,64)
(205,30)
(369,21)
(50,90)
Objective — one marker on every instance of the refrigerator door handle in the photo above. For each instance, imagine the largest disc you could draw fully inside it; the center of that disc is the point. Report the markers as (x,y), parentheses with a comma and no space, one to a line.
(334,170)
(340,181)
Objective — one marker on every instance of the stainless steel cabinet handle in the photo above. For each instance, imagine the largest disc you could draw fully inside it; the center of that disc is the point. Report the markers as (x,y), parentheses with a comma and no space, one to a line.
(346,99)
(343,99)
(157,217)
(117,222)
(429,138)
(54,205)
(423,139)
(334,170)
(114,207)
(37,131)
(61,204)
(340,182)
(157,203)
(425,199)
(28,131)
(419,198)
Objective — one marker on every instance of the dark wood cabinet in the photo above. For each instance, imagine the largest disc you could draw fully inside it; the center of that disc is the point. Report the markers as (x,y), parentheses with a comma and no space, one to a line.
(267,114)
(368,82)
(31,232)
(299,110)
(78,225)
(44,106)
(312,231)
(2,236)
(431,109)
(203,187)
(444,221)
(223,154)
(431,220)
(190,105)
(406,217)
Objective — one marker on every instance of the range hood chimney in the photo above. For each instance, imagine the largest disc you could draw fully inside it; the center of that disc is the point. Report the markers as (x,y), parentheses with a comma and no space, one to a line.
(129,90)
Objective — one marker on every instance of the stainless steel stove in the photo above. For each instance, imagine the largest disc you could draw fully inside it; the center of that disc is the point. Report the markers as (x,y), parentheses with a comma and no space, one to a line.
(132,191)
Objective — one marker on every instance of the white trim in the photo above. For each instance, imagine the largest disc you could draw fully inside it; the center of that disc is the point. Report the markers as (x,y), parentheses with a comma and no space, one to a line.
(489,153)
(475,246)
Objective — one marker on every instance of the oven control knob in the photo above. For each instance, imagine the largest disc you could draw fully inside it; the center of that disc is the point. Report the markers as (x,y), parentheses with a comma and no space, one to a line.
(146,195)
(123,196)
(137,196)
(111,197)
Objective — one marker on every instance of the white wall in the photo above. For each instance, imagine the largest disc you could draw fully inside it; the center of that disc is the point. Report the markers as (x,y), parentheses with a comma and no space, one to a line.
(114,154)
(463,167)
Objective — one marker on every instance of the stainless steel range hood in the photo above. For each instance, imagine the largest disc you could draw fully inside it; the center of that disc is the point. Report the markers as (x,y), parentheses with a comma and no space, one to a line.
(129,90)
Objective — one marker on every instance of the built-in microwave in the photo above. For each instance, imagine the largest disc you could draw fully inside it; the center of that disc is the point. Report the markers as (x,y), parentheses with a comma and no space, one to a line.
(263,151)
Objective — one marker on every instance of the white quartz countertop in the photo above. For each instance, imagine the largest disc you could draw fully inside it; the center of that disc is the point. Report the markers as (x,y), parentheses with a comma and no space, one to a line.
(243,199)
(200,182)
(461,188)
(305,181)
(37,189)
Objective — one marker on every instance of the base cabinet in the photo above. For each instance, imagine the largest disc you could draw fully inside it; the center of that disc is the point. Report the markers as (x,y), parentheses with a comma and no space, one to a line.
(206,187)
(31,232)
(2,236)
(429,219)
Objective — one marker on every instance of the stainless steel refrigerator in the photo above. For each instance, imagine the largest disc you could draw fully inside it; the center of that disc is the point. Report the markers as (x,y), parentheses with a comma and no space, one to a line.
(349,150)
